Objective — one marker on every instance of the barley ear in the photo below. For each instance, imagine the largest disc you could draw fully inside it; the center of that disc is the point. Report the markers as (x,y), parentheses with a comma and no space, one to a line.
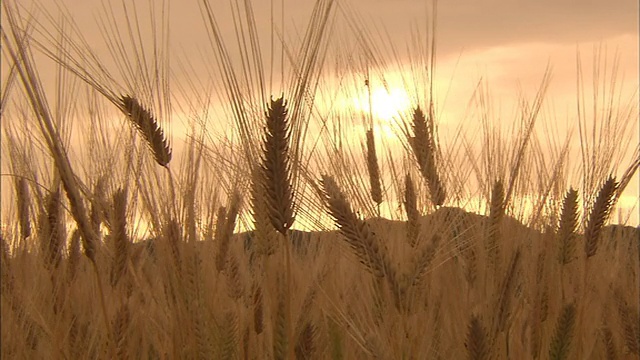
(119,238)
(258,310)
(567,228)
(74,256)
(276,167)
(629,322)
(610,351)
(422,261)
(305,346)
(373,168)
(53,234)
(423,145)
(280,341)
(356,232)
(23,200)
(477,343)
(599,215)
(411,208)
(224,229)
(121,324)
(229,336)
(561,342)
(148,128)
(496,213)
(265,239)
(506,292)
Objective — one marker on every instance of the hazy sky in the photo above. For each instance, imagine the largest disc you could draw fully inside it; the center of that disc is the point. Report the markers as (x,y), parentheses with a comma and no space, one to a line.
(508,43)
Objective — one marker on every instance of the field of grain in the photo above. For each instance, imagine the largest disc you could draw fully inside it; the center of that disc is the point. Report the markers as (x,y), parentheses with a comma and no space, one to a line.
(274,234)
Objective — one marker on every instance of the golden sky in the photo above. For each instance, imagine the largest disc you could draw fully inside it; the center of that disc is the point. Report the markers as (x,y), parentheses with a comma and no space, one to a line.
(507,44)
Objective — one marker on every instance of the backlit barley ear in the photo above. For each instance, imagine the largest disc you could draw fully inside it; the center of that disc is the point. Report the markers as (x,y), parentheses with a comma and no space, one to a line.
(599,215)
(496,213)
(357,232)
(148,128)
(226,226)
(477,344)
(610,351)
(229,336)
(97,204)
(121,325)
(119,238)
(23,200)
(374,169)
(235,288)
(423,145)
(413,215)
(630,323)
(53,235)
(506,292)
(173,240)
(276,167)
(280,341)
(561,342)
(423,260)
(74,256)
(265,240)
(6,275)
(258,311)
(305,346)
(567,228)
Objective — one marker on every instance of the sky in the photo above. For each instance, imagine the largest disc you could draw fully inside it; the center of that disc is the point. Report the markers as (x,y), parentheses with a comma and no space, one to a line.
(506,43)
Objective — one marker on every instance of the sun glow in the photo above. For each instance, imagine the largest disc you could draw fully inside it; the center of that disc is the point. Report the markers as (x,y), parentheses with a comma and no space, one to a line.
(385,103)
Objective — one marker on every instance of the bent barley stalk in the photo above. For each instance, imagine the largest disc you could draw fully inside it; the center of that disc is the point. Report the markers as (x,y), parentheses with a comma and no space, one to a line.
(357,232)
(148,128)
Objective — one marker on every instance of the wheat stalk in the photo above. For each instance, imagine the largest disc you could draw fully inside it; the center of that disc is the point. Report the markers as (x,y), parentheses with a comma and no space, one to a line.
(23,200)
(476,342)
(276,167)
(119,238)
(265,234)
(53,233)
(121,324)
(567,228)
(281,331)
(148,128)
(609,345)
(496,213)
(258,310)
(423,145)
(373,168)
(599,215)
(225,225)
(411,208)
(305,345)
(506,291)
(357,232)
(561,342)
(74,256)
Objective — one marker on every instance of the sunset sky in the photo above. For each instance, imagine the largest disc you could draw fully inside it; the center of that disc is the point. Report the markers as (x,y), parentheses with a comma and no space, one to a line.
(507,44)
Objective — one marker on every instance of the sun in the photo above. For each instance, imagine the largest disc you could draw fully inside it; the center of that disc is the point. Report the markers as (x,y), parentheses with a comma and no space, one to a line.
(385,103)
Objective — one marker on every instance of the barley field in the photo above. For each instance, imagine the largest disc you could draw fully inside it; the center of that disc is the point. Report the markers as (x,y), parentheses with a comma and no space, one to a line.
(151,210)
